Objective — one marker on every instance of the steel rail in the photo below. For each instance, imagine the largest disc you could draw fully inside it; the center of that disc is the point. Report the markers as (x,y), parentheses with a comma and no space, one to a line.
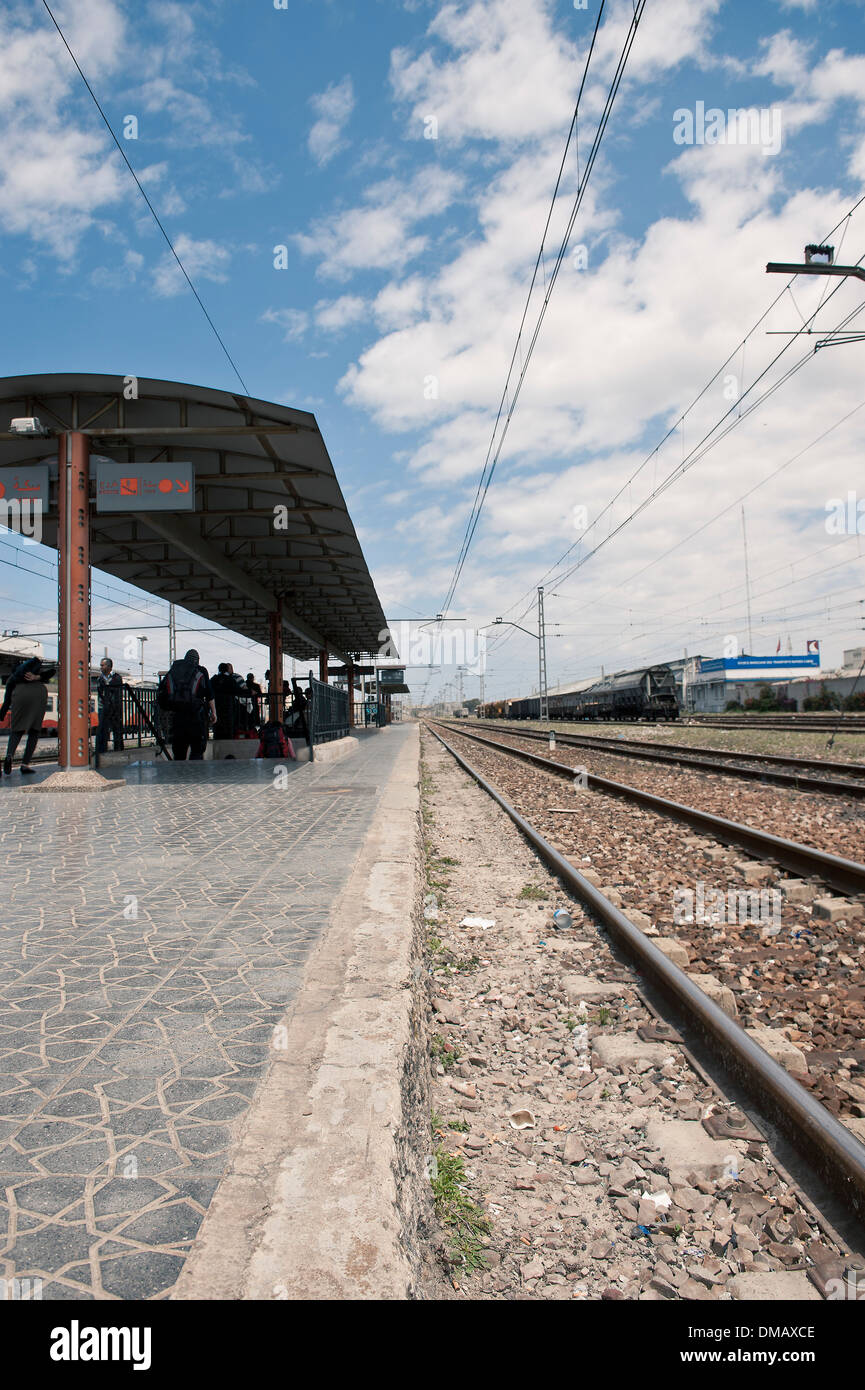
(802,723)
(721,761)
(845,875)
(835,1153)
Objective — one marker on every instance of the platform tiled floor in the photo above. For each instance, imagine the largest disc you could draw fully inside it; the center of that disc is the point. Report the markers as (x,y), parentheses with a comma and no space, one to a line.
(151,941)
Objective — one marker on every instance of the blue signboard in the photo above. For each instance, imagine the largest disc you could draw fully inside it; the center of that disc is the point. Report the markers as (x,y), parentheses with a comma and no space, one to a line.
(144,487)
(760,663)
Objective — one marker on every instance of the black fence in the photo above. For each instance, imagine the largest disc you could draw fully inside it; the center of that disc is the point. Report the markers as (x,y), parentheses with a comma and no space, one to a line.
(327,712)
(370,714)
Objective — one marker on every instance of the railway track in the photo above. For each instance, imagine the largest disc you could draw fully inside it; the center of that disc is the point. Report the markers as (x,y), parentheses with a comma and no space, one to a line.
(772,768)
(833,1150)
(844,875)
(846,724)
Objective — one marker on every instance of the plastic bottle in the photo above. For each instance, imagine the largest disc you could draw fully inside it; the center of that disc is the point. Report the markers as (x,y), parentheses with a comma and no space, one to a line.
(562,919)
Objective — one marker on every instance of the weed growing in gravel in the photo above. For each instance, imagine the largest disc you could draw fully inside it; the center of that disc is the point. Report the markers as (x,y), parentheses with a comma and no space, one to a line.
(435,1120)
(466,964)
(433,944)
(465,1221)
(532,892)
(462,1126)
(603,1016)
(446,1053)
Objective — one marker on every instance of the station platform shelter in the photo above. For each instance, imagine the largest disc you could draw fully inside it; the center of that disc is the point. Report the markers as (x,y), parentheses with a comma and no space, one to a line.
(226,506)
(174,953)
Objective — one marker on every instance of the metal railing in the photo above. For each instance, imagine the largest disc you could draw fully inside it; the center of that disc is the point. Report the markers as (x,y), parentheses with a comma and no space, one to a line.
(327,712)
(369,714)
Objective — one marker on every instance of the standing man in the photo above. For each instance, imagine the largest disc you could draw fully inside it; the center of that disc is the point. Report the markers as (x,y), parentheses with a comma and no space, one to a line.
(224,687)
(109,691)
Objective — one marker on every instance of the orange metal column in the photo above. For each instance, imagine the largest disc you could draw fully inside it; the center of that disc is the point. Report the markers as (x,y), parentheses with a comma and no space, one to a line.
(275,701)
(73,540)
(322,664)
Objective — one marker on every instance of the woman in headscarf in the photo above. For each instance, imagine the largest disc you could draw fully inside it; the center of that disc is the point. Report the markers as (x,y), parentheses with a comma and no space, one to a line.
(27,696)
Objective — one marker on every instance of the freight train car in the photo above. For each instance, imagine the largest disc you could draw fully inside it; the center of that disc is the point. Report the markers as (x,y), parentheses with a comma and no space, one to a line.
(649,693)
(646,694)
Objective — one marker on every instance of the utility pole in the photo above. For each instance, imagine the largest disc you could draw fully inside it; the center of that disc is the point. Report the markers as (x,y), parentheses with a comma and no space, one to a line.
(172,635)
(542,660)
(747,584)
(481,710)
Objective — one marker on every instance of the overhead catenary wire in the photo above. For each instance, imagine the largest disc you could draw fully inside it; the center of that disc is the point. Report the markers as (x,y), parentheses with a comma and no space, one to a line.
(703,446)
(679,423)
(143,193)
(508,405)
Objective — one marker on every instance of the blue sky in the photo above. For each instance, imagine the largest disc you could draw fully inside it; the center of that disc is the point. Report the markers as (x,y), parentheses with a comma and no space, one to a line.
(408,262)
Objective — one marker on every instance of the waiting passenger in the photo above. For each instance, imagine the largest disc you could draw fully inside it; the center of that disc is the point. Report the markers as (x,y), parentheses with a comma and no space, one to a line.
(256,692)
(224,685)
(27,697)
(187,692)
(109,691)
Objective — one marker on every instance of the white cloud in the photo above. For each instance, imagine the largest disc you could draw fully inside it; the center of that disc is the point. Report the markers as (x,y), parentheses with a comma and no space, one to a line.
(512,73)
(333,315)
(333,108)
(203,260)
(626,344)
(378,236)
(55,178)
(293,322)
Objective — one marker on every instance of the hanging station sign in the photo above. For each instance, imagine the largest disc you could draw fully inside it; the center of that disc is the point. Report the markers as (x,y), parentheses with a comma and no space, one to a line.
(26,483)
(391,675)
(144,487)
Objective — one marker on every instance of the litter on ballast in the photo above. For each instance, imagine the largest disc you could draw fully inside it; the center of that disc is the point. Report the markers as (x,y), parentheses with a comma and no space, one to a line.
(521,1119)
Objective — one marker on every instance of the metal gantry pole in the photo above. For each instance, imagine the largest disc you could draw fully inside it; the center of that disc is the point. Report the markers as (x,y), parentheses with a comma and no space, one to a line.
(542,660)
(172,635)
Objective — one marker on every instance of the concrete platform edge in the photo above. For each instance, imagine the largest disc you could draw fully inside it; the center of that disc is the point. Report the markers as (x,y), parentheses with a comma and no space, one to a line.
(326,1197)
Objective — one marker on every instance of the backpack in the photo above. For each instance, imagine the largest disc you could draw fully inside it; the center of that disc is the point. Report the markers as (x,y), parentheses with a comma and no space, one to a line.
(182,689)
(273,743)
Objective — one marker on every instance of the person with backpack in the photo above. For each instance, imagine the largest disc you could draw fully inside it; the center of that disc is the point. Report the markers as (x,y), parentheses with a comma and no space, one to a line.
(275,742)
(185,691)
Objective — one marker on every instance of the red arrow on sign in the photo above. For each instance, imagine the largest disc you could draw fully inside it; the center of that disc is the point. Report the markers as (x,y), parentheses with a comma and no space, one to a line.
(181,487)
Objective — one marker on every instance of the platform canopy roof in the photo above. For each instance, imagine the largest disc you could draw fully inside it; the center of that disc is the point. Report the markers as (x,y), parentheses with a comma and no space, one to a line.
(226,561)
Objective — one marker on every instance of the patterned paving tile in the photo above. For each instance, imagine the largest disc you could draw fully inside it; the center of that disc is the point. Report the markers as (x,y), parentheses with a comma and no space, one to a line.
(152,941)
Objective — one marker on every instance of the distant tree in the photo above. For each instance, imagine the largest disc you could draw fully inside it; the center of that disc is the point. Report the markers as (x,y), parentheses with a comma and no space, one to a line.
(732,707)
(856,701)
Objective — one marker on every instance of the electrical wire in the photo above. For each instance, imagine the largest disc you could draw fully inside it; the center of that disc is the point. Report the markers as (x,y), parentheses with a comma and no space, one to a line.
(490,465)
(153,211)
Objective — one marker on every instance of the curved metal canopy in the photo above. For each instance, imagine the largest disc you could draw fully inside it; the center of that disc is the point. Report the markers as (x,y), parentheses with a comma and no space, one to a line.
(226,561)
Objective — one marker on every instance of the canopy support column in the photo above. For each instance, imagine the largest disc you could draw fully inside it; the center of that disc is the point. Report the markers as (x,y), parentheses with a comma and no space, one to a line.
(275,690)
(73,568)
(74,604)
(323,658)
